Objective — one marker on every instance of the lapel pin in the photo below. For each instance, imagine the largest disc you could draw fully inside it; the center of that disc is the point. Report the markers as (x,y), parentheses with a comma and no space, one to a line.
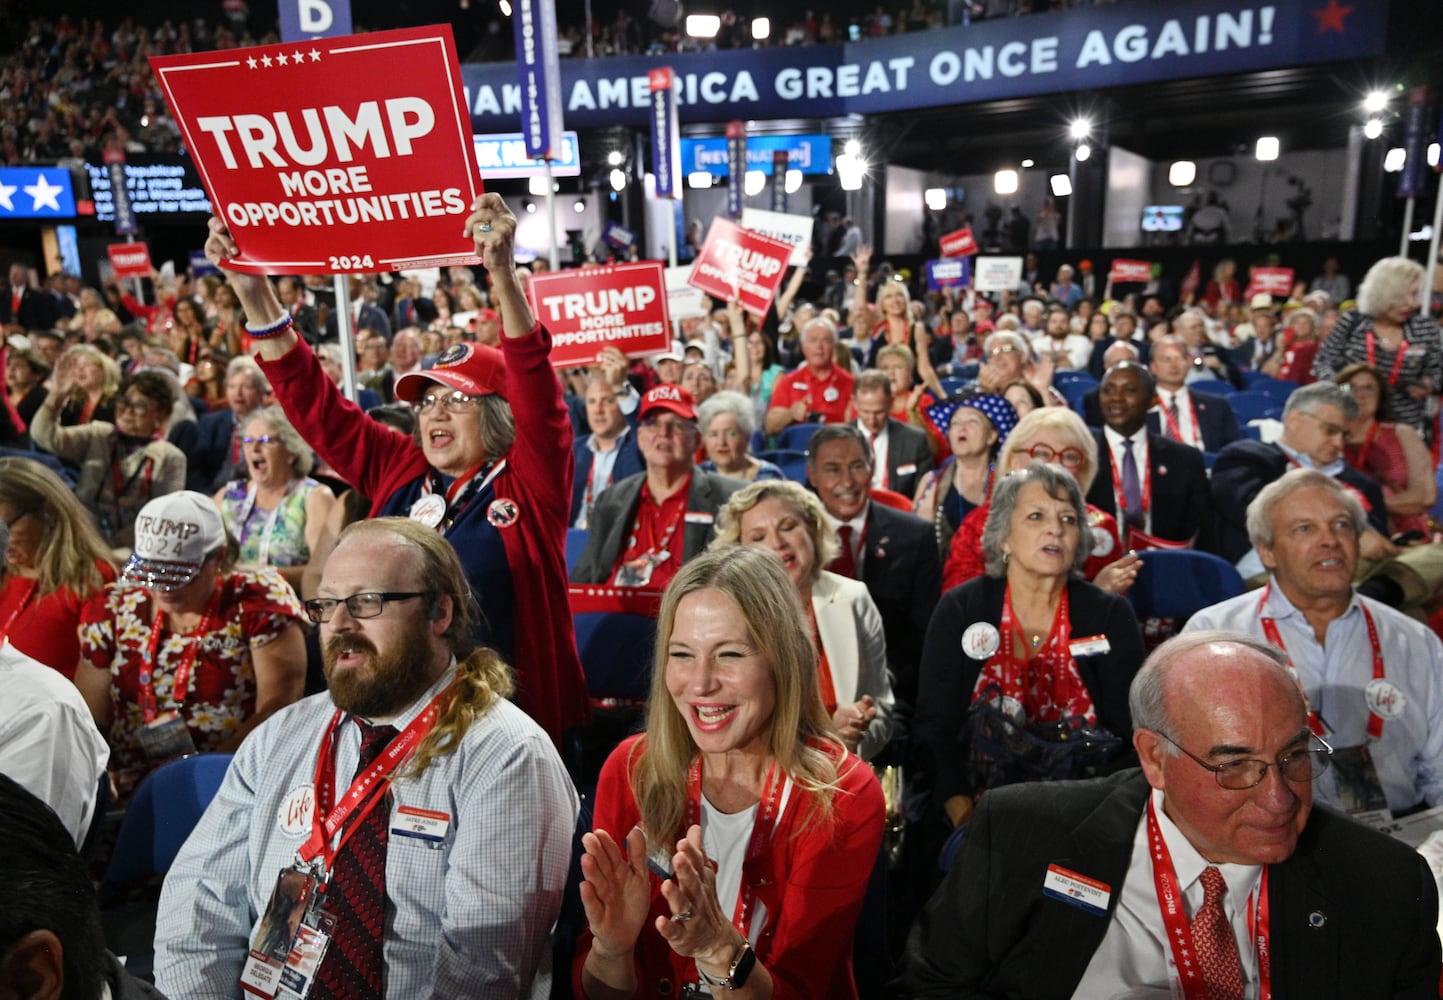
(1317,919)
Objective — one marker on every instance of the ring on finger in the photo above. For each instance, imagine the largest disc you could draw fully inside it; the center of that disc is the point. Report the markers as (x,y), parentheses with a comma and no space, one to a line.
(486,227)
(683,917)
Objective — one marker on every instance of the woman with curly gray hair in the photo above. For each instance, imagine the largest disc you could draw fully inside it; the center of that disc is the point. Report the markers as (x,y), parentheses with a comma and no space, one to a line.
(1038,642)
(1387,332)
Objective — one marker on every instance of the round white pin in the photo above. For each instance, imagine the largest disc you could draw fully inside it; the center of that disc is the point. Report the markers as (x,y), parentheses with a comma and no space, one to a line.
(429,510)
(981,640)
(1384,698)
(1102,543)
(830,394)
(296,810)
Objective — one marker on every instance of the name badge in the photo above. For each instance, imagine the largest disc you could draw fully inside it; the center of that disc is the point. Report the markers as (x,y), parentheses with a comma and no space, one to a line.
(1077,890)
(699,517)
(1089,645)
(423,824)
(907,470)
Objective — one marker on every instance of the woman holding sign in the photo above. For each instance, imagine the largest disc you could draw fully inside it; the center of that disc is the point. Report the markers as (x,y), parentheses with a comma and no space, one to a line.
(492,470)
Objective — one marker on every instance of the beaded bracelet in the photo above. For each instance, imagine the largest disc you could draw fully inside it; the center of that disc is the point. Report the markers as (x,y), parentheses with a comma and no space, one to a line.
(277,328)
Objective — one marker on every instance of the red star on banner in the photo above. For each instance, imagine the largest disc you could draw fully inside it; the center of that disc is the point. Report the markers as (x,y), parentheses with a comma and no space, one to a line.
(1331,17)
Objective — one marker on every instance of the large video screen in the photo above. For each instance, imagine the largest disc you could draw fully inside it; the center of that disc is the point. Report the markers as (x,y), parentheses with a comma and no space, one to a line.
(159,184)
(1162,218)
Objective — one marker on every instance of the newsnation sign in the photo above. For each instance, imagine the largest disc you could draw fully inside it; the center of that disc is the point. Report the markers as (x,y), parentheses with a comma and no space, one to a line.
(1083,49)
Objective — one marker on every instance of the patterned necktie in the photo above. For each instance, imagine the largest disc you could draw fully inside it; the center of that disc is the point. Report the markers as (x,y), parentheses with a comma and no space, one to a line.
(352,968)
(1212,937)
(846,563)
(1131,486)
(1174,428)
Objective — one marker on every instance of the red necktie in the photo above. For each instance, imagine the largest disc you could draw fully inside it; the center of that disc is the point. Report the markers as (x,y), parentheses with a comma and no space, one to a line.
(1212,936)
(354,963)
(846,563)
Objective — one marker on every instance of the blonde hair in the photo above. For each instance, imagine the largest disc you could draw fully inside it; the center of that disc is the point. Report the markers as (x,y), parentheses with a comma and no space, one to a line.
(1386,284)
(482,677)
(107,365)
(801,737)
(804,504)
(70,545)
(1066,423)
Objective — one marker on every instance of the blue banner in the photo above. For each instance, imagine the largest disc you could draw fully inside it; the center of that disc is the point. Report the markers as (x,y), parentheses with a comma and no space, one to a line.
(501,156)
(539,72)
(1410,178)
(618,235)
(1081,49)
(306,19)
(953,272)
(736,141)
(36,193)
(125,223)
(811,154)
(779,182)
(665,132)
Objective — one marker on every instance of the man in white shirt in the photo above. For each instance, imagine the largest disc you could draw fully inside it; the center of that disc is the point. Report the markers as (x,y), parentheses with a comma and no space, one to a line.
(1373,676)
(1073,888)
(1205,422)
(1069,351)
(901,454)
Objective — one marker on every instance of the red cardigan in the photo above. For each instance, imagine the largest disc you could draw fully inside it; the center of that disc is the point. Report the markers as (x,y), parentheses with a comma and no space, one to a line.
(379,462)
(811,883)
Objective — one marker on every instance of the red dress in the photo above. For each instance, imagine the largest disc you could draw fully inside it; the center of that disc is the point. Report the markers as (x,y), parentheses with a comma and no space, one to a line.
(1381,456)
(45,627)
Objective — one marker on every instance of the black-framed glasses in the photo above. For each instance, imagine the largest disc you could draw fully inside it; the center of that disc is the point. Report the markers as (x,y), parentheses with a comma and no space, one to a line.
(1070,458)
(366,605)
(454,402)
(1239,775)
(138,406)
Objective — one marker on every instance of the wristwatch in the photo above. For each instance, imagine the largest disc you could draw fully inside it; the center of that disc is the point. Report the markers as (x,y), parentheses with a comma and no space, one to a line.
(737,975)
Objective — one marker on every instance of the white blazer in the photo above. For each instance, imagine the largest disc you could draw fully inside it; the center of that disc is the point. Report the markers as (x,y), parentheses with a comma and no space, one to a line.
(850,629)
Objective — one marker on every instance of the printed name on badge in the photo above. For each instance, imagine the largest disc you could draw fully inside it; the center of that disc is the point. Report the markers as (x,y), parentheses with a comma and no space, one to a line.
(1077,890)
(423,824)
(1089,645)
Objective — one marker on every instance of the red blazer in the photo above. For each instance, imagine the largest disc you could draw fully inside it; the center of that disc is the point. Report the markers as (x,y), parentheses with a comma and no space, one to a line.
(811,883)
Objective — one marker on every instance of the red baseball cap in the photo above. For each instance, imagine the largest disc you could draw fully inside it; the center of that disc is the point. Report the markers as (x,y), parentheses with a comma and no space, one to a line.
(475,369)
(672,398)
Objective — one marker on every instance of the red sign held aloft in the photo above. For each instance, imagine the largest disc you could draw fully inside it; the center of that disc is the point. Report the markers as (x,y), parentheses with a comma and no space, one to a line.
(130,260)
(738,263)
(960,243)
(335,155)
(1130,270)
(622,306)
(1270,280)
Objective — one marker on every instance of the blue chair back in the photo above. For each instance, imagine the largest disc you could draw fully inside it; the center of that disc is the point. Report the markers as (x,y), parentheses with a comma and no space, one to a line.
(1066,375)
(792,463)
(1256,433)
(953,385)
(1074,391)
(1177,583)
(161,815)
(575,542)
(968,371)
(795,437)
(1213,386)
(1251,405)
(615,648)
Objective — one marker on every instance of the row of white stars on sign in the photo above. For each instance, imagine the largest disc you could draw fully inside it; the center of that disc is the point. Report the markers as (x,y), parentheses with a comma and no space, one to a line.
(296,57)
(43,194)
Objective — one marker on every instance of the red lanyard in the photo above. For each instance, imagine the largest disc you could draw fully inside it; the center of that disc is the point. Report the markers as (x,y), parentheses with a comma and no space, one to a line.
(649,513)
(27,592)
(1361,461)
(1315,722)
(187,661)
(1397,358)
(1146,470)
(1179,932)
(1172,421)
(763,827)
(368,788)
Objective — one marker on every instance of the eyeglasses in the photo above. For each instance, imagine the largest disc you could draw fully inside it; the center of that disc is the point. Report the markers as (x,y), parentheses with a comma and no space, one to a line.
(1001,350)
(1240,775)
(262,439)
(137,406)
(670,428)
(1070,458)
(367,605)
(454,402)
(1329,428)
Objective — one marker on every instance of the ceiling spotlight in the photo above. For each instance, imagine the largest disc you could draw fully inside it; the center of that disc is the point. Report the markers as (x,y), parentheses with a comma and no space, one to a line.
(615,158)
(1082,152)
(1373,128)
(851,171)
(1394,159)
(754,183)
(1182,173)
(579,205)
(698,179)
(761,28)
(1028,163)
(537,186)
(529,205)
(852,148)
(702,25)
(1432,154)
(505,8)
(1061,185)
(1268,148)
(1005,182)
(1080,128)
(794,181)
(1377,100)
(618,180)
(936,198)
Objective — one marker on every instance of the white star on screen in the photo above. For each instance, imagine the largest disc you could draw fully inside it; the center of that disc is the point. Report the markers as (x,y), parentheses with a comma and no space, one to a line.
(43,193)
(6,190)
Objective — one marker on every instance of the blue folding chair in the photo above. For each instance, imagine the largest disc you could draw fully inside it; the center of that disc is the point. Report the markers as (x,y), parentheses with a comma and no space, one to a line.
(1178,583)
(1067,375)
(953,385)
(615,649)
(968,371)
(1213,386)
(1250,405)
(161,815)
(575,543)
(792,463)
(1276,389)
(1256,433)
(795,437)
(1074,391)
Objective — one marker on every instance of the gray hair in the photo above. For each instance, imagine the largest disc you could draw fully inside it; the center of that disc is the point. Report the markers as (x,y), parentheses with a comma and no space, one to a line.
(1308,398)
(303,458)
(1260,511)
(1146,697)
(838,432)
(247,366)
(728,401)
(1060,485)
(1007,337)
(822,321)
(1386,284)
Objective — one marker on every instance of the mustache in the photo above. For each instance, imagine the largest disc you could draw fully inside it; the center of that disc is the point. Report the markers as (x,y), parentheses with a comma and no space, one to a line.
(339,644)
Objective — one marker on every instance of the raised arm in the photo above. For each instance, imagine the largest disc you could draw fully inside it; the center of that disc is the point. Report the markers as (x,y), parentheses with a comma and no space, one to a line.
(492,226)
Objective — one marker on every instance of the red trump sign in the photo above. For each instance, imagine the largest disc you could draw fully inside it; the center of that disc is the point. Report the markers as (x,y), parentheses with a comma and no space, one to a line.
(622,306)
(1272,280)
(959,243)
(130,260)
(333,155)
(1124,270)
(736,263)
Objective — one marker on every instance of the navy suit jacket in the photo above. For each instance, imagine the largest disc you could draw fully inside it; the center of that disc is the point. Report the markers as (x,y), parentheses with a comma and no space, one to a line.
(207,444)
(1180,497)
(372,318)
(1215,420)
(628,463)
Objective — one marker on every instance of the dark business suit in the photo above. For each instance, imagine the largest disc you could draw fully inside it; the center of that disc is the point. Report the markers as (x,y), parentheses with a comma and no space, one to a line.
(372,318)
(909,457)
(1352,912)
(628,463)
(1095,367)
(208,446)
(1180,499)
(1216,421)
(1244,468)
(35,312)
(615,513)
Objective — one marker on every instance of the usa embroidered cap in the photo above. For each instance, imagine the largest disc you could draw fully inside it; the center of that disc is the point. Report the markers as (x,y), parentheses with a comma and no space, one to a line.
(173,536)
(474,369)
(672,398)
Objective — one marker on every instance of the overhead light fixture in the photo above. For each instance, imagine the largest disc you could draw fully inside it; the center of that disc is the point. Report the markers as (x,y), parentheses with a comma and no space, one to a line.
(1061,185)
(1377,100)
(698,179)
(1268,148)
(1181,173)
(529,205)
(1028,163)
(1394,159)
(852,148)
(615,158)
(702,25)
(505,6)
(618,180)
(537,186)
(1082,152)
(1373,128)
(935,198)
(1432,154)
(1080,128)
(851,171)
(761,28)
(579,205)
(794,181)
(754,183)
(1005,182)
